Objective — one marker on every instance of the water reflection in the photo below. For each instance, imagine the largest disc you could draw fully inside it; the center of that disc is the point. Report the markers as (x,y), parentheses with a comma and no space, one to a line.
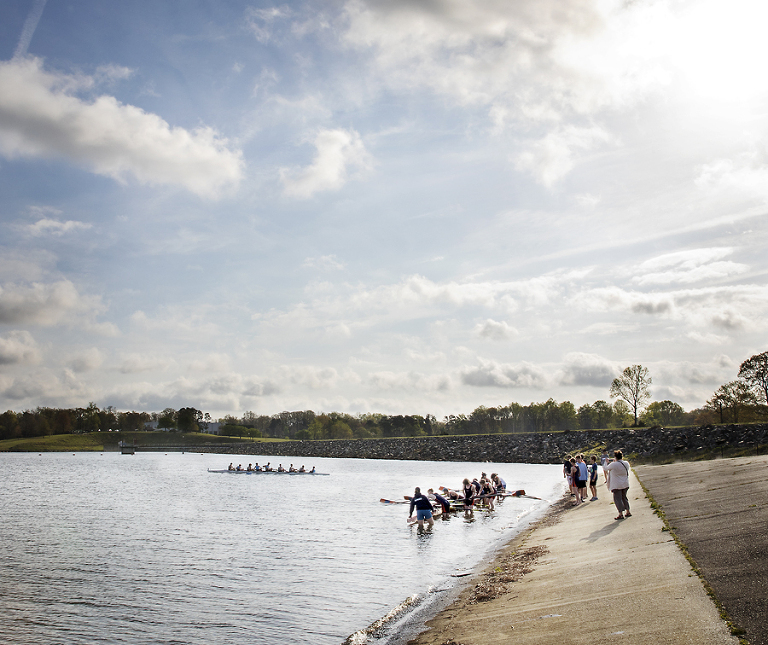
(154,549)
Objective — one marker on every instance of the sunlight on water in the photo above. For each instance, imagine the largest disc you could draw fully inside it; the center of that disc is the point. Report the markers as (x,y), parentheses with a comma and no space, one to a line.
(152,548)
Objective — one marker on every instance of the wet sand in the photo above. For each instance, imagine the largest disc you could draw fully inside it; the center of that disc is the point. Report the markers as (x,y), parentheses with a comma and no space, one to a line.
(579,576)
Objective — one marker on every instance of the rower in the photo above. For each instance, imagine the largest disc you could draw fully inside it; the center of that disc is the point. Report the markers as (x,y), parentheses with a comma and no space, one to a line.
(313,470)
(249,469)
(280,468)
(231,467)
(291,469)
(446,505)
(239,467)
(302,469)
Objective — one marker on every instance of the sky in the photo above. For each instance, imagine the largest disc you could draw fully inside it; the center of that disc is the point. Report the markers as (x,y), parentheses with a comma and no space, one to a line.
(401,206)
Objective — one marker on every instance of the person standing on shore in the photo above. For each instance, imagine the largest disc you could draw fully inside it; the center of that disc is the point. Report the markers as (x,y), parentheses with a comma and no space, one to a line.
(567,474)
(593,479)
(617,478)
(582,475)
(423,508)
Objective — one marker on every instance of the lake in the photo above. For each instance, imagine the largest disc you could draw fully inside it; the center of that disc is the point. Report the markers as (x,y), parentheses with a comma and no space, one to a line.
(152,548)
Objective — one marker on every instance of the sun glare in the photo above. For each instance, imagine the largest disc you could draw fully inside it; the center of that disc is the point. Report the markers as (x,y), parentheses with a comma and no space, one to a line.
(720,50)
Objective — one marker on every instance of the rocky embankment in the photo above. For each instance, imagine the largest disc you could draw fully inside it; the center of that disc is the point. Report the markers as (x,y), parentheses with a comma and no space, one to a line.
(643,444)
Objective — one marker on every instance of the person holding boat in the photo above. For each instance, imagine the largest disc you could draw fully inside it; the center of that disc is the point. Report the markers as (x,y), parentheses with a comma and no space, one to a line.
(444,503)
(469,495)
(487,492)
(423,508)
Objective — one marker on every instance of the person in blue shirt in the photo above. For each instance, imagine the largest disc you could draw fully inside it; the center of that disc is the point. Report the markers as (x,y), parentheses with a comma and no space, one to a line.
(423,508)
(582,475)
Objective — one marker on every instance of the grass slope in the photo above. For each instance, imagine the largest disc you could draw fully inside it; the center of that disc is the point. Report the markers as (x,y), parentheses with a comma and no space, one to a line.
(100,441)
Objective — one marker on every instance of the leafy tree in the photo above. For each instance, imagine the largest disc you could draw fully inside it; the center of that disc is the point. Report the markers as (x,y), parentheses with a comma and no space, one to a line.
(735,397)
(586,416)
(664,413)
(754,371)
(603,413)
(621,415)
(186,420)
(632,387)
(167,418)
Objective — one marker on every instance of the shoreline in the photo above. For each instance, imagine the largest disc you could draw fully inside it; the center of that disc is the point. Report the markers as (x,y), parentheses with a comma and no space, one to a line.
(579,576)
(491,579)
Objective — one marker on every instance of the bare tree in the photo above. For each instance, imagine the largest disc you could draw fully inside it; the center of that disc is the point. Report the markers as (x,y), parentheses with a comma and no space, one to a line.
(632,387)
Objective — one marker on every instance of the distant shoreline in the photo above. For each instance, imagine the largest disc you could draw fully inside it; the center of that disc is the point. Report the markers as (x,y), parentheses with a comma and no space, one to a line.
(641,445)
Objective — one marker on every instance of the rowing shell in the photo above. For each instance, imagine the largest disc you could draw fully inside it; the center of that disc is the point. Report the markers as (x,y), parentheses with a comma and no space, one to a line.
(262,472)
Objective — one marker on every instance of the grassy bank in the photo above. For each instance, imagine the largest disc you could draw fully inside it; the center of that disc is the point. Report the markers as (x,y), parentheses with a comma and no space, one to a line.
(101,441)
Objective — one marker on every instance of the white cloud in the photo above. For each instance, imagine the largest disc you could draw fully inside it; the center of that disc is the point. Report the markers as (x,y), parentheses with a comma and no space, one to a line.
(409,381)
(495,330)
(260,22)
(40,116)
(688,266)
(745,175)
(18,348)
(211,363)
(504,375)
(729,308)
(135,363)
(551,158)
(324,262)
(337,152)
(587,369)
(313,377)
(111,73)
(535,60)
(44,304)
(55,227)
(87,361)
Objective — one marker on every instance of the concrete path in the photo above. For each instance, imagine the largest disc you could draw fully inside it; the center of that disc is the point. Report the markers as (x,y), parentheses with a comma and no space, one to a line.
(599,581)
(718,509)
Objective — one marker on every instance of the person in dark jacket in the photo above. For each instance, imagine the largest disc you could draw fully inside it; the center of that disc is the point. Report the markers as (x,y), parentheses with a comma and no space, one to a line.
(423,508)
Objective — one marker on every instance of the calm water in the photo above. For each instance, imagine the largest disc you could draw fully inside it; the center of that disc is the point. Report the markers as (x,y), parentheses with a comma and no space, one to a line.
(152,548)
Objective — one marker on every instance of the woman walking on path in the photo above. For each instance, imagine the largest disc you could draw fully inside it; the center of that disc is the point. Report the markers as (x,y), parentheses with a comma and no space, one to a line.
(617,479)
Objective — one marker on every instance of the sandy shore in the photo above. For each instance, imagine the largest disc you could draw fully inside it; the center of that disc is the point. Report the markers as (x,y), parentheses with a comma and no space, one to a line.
(579,576)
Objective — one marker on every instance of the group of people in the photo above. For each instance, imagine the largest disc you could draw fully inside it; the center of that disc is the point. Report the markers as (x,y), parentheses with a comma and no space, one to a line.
(578,472)
(266,468)
(483,491)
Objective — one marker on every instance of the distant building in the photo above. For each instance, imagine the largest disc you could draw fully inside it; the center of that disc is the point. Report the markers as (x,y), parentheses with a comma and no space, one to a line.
(151,425)
(213,428)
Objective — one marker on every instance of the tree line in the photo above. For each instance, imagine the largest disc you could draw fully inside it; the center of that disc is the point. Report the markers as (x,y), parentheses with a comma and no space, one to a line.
(742,400)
